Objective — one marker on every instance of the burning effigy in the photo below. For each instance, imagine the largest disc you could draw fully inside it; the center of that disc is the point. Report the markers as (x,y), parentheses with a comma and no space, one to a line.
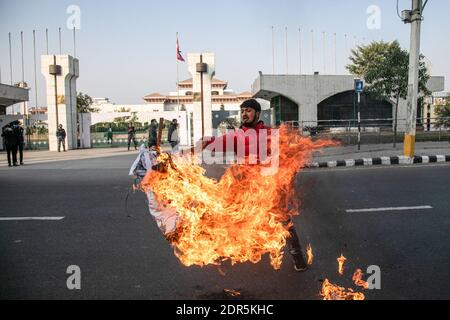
(239,218)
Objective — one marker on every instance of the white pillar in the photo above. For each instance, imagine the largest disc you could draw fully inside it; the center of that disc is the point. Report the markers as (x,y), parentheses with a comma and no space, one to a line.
(67,99)
(85,130)
(209,59)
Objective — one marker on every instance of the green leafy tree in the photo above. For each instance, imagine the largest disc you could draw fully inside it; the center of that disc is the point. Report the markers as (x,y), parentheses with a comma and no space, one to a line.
(123,109)
(385,66)
(443,114)
(84,104)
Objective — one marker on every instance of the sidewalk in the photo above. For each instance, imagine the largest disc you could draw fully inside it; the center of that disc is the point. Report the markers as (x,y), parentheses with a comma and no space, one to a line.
(32,157)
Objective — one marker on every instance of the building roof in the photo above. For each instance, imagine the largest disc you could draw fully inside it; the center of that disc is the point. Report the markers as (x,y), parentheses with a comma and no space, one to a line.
(190,99)
(214,81)
(155,95)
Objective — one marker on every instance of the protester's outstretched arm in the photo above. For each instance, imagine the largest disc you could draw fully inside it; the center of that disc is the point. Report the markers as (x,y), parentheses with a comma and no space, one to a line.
(220,143)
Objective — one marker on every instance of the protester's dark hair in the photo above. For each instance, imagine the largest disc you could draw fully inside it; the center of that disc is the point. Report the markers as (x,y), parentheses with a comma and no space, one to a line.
(153,120)
(252,103)
(174,120)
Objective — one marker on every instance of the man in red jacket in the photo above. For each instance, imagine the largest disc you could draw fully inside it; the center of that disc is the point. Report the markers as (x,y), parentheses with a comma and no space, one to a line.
(252,147)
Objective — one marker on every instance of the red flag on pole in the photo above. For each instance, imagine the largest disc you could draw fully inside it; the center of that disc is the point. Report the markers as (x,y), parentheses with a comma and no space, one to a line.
(179,56)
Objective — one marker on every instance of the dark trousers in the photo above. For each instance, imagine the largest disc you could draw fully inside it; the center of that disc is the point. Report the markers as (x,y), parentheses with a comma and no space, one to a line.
(174,145)
(63,142)
(132,137)
(21,151)
(293,242)
(152,143)
(11,151)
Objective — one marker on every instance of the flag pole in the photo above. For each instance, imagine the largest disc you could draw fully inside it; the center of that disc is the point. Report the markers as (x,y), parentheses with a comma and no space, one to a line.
(299,51)
(287,52)
(178,76)
(273,51)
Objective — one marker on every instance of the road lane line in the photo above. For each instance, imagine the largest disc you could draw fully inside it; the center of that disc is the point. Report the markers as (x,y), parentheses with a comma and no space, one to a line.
(389,209)
(32,219)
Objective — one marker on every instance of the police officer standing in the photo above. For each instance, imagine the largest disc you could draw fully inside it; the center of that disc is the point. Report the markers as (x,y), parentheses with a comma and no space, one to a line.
(61,136)
(153,133)
(110,135)
(18,131)
(172,135)
(10,140)
(131,136)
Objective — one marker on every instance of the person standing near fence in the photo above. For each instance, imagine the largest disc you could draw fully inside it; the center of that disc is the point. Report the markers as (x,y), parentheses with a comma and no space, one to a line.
(153,133)
(172,135)
(10,141)
(61,136)
(131,136)
(18,132)
(109,135)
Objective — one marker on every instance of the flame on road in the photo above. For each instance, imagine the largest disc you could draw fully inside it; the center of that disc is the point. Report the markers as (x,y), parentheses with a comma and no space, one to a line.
(232,293)
(357,279)
(309,255)
(341,260)
(331,291)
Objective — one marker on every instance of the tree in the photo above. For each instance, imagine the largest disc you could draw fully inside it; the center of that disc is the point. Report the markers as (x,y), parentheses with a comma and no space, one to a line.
(443,114)
(385,66)
(84,104)
(123,109)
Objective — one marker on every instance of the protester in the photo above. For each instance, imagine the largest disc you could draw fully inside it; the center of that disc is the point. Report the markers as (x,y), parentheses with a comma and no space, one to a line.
(250,114)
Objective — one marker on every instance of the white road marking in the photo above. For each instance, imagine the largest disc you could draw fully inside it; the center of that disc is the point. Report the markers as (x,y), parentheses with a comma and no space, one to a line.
(32,219)
(390,209)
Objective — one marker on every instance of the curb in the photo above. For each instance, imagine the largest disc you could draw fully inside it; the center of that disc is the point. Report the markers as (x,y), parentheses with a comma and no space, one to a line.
(385,161)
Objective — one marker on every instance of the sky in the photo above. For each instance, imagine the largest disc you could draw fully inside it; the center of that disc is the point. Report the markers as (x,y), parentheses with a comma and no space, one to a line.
(127,48)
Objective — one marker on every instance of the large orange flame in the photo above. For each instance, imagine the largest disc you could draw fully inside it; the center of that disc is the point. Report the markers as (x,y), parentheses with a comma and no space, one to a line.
(240,218)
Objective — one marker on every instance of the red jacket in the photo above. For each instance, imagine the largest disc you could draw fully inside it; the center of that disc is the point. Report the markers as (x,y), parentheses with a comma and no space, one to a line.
(244,142)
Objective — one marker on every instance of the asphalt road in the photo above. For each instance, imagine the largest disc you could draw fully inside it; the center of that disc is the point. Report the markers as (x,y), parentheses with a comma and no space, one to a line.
(127,258)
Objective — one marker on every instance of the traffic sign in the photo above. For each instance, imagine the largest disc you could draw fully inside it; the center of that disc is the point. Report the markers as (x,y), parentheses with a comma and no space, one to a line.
(359,85)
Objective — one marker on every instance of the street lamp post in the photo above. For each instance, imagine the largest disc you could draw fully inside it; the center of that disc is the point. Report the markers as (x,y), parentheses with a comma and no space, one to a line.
(202,68)
(415,18)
